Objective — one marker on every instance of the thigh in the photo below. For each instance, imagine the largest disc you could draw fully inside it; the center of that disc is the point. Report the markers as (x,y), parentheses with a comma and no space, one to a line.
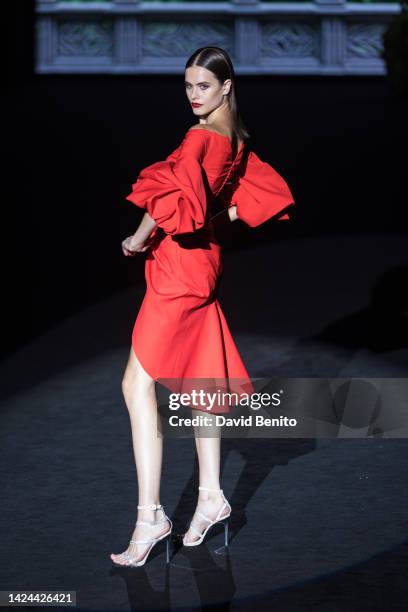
(135,372)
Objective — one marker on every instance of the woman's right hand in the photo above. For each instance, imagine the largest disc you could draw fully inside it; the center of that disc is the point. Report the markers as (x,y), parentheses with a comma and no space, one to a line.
(132,245)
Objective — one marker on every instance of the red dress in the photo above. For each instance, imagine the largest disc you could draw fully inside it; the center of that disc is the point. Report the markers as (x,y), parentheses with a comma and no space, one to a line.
(180,331)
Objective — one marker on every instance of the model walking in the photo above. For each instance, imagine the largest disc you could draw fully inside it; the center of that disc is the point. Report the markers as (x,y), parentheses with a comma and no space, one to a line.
(180,330)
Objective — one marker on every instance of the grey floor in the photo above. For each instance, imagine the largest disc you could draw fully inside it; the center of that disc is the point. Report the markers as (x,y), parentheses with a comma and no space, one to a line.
(316,524)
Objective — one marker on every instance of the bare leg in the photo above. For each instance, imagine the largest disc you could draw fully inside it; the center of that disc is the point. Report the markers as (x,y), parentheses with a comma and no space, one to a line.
(209,502)
(140,397)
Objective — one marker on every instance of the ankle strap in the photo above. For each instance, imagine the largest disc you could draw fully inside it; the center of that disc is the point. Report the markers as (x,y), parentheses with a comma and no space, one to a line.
(207,489)
(151,507)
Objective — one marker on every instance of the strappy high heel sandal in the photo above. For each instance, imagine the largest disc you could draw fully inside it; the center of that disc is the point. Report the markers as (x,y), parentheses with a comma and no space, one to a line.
(131,561)
(224,521)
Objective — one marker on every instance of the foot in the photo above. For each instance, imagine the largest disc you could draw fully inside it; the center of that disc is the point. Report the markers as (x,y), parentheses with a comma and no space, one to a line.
(137,552)
(209,504)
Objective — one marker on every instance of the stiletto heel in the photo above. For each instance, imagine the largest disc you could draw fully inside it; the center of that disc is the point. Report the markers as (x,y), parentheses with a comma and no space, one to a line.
(218,519)
(168,549)
(226,532)
(165,536)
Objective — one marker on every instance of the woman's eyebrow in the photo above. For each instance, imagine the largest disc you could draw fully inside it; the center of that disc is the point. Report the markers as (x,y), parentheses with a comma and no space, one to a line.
(202,83)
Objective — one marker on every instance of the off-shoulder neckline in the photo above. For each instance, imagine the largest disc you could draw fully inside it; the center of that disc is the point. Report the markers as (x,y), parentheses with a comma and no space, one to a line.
(222,136)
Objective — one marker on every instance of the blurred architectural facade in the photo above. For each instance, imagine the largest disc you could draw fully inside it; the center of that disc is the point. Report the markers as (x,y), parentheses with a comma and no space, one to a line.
(135,37)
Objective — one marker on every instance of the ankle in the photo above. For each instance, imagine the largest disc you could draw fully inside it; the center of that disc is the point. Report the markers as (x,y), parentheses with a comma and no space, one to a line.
(149,514)
(209,495)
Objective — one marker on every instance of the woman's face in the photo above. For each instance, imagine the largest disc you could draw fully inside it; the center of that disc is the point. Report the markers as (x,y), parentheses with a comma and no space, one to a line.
(204,89)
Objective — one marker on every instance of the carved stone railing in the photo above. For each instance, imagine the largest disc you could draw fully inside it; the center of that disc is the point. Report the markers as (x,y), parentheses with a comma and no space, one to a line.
(131,37)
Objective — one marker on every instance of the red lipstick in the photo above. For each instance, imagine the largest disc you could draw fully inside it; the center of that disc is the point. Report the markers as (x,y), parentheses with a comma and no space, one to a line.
(195,104)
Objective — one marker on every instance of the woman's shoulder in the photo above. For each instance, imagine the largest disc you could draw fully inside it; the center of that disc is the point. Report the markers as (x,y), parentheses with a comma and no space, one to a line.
(206,128)
(197,132)
(219,138)
(197,126)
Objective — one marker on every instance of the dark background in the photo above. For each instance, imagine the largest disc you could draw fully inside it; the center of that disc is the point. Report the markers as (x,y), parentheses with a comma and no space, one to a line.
(73,145)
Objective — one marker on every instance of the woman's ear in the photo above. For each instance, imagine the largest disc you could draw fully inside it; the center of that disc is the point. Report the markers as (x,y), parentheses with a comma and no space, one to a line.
(227,87)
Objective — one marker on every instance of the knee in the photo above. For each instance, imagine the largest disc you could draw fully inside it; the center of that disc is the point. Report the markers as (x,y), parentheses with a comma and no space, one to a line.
(129,385)
(126,385)
(133,386)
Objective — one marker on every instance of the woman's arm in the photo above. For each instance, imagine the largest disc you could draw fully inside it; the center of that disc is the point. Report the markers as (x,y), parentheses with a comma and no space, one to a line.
(138,242)
(145,228)
(174,192)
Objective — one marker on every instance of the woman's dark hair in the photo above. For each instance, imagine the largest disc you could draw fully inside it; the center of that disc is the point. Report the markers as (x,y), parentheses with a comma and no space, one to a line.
(218,62)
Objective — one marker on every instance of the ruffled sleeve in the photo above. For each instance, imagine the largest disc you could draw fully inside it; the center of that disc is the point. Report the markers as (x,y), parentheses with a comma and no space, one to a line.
(259,192)
(173,191)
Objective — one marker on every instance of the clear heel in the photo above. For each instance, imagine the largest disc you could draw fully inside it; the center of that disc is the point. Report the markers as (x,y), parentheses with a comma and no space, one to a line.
(168,549)
(226,523)
(219,519)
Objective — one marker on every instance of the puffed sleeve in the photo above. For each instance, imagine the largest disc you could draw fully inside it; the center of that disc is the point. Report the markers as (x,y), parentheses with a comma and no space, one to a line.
(173,191)
(260,193)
